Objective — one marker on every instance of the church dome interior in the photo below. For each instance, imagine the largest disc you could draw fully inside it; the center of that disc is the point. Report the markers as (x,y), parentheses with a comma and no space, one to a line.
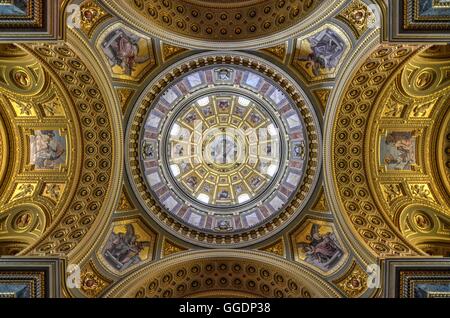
(212,149)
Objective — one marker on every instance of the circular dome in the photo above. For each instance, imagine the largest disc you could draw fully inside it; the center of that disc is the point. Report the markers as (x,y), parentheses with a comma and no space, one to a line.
(223,150)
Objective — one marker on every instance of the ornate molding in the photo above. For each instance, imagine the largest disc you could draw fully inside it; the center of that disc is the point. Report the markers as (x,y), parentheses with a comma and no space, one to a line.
(32,20)
(261,23)
(95,188)
(277,277)
(349,168)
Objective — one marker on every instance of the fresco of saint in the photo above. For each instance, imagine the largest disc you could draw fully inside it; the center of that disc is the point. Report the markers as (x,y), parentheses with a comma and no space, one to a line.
(320,249)
(321,52)
(397,150)
(47,149)
(123,249)
(123,49)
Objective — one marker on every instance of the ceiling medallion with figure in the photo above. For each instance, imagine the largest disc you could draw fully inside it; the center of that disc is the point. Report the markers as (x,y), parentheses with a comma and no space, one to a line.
(223,154)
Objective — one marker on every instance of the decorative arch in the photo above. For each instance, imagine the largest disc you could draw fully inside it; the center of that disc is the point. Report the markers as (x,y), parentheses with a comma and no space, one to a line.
(222,273)
(233,25)
(71,102)
(395,95)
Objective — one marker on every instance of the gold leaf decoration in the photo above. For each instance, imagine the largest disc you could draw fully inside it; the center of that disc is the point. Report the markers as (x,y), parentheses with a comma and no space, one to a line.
(322,96)
(321,204)
(169,51)
(124,202)
(53,191)
(124,95)
(92,283)
(276,248)
(23,190)
(358,16)
(278,51)
(91,16)
(170,248)
(354,282)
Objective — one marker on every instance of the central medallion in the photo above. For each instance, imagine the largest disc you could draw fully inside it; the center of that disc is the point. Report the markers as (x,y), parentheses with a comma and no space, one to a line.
(224,149)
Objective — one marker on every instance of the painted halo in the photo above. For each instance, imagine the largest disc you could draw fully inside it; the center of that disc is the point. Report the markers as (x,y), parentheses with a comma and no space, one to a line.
(223,154)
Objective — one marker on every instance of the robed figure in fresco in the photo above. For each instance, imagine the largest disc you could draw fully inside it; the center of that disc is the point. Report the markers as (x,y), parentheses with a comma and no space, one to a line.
(398,150)
(327,49)
(321,250)
(122,49)
(47,149)
(122,249)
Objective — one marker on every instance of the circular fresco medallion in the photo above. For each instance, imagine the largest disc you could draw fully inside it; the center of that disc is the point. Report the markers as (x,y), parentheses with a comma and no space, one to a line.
(223,150)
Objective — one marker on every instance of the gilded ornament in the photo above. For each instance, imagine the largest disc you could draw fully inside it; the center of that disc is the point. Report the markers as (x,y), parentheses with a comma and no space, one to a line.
(170,248)
(23,190)
(124,95)
(95,180)
(23,220)
(191,275)
(21,78)
(92,283)
(23,108)
(169,51)
(323,95)
(53,107)
(392,192)
(423,221)
(425,79)
(421,191)
(53,191)
(91,15)
(423,109)
(321,204)
(347,157)
(393,108)
(278,51)
(276,248)
(358,16)
(354,282)
(124,201)
(217,21)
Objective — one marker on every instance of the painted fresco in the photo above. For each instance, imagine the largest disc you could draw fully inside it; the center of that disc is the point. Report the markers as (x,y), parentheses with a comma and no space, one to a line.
(47,149)
(128,54)
(397,150)
(317,245)
(320,54)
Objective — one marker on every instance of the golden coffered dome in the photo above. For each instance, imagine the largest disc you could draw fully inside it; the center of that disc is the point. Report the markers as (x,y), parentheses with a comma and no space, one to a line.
(215,22)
